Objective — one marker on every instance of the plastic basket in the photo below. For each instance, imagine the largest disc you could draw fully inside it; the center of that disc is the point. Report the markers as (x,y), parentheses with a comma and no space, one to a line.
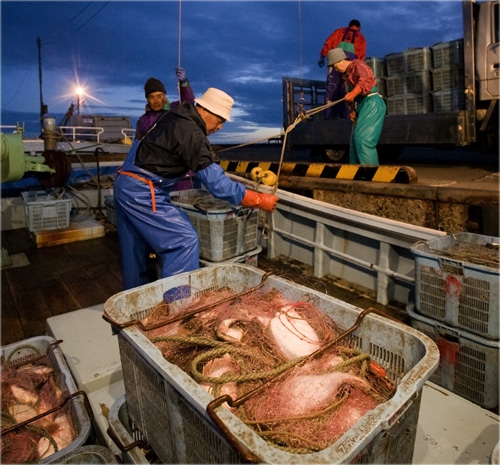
(125,433)
(447,77)
(27,349)
(249,258)
(452,289)
(377,65)
(469,363)
(46,211)
(448,53)
(169,407)
(411,83)
(225,231)
(448,100)
(418,59)
(89,455)
(408,104)
(109,202)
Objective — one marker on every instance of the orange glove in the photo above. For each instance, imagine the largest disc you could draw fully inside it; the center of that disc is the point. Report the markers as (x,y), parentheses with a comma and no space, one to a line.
(350,96)
(253,199)
(353,116)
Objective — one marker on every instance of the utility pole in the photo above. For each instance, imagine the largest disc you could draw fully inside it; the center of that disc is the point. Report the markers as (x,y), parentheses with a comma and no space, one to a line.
(43,107)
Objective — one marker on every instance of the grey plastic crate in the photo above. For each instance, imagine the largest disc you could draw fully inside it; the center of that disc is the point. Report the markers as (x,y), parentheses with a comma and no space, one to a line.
(448,53)
(109,202)
(46,210)
(448,100)
(126,433)
(410,83)
(377,65)
(447,77)
(409,104)
(395,63)
(418,60)
(169,407)
(468,363)
(455,290)
(25,350)
(89,455)
(225,231)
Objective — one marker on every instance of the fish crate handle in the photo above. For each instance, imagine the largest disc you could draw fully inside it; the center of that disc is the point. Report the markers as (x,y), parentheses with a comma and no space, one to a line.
(183,316)
(243,453)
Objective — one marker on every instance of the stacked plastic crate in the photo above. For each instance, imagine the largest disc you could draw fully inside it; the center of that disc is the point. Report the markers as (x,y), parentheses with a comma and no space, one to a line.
(448,93)
(227,233)
(456,305)
(408,81)
(377,65)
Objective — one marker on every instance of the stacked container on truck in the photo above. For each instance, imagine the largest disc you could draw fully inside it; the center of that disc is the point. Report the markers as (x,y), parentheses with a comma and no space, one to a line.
(442,95)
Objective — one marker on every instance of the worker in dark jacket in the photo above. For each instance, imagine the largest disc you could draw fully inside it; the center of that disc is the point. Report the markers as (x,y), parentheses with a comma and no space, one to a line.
(157,101)
(367,106)
(146,219)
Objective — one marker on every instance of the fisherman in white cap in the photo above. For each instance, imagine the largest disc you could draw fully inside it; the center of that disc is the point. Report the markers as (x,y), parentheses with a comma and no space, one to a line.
(368,108)
(147,222)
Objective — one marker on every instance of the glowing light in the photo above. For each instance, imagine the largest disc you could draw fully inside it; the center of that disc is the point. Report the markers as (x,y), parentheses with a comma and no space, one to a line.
(80,91)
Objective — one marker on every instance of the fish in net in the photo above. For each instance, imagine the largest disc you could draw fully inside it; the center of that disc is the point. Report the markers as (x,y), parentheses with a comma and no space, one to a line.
(28,391)
(264,340)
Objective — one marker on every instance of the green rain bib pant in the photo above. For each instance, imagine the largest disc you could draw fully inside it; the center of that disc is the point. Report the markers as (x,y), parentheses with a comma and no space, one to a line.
(370,115)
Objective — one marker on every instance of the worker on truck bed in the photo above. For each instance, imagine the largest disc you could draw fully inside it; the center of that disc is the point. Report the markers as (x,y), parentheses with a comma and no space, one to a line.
(147,221)
(157,101)
(367,106)
(353,43)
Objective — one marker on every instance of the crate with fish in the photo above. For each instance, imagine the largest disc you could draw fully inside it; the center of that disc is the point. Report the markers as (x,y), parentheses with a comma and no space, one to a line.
(43,415)
(46,209)
(225,231)
(307,378)
(457,280)
(468,364)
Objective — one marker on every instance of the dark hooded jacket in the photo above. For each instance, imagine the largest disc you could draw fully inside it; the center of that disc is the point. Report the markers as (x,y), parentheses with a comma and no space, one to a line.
(176,144)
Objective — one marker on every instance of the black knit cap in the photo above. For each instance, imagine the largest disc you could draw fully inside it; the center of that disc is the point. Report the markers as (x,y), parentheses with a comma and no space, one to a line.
(153,85)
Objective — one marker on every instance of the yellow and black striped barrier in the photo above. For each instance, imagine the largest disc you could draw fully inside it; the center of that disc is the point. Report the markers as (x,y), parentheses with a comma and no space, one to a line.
(376,173)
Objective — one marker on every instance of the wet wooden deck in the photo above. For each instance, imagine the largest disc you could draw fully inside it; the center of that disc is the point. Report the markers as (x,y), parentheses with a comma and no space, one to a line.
(63,278)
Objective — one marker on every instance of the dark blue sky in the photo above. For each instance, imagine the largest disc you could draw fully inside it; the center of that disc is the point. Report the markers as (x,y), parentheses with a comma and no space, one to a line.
(241,47)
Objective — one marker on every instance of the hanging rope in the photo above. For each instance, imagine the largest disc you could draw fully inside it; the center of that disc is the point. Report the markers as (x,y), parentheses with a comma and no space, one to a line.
(179,48)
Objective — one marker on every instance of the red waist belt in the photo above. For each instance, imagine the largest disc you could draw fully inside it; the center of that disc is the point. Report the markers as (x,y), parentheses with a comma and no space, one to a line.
(144,180)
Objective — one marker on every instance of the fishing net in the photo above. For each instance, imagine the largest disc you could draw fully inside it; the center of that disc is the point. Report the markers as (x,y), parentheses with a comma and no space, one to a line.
(28,391)
(304,398)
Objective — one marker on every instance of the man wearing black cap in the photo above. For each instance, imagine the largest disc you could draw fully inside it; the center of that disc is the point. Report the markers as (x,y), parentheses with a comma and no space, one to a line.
(156,96)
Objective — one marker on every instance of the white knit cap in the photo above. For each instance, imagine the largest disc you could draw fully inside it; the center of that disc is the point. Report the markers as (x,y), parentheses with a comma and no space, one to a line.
(217,102)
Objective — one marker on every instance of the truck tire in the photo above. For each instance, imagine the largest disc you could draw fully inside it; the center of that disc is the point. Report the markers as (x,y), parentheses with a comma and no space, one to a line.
(336,154)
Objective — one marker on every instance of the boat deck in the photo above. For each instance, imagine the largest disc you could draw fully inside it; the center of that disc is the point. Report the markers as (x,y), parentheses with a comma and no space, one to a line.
(49,281)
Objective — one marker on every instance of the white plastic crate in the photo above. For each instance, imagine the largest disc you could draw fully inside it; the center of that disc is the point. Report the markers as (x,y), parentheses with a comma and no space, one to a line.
(448,53)
(418,59)
(455,290)
(468,363)
(46,210)
(448,100)
(249,258)
(408,104)
(125,433)
(395,63)
(169,407)
(109,202)
(377,65)
(447,77)
(27,349)
(88,455)
(225,231)
(410,83)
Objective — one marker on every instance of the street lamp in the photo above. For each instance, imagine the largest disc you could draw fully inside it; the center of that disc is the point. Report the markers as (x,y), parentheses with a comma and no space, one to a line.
(79,93)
